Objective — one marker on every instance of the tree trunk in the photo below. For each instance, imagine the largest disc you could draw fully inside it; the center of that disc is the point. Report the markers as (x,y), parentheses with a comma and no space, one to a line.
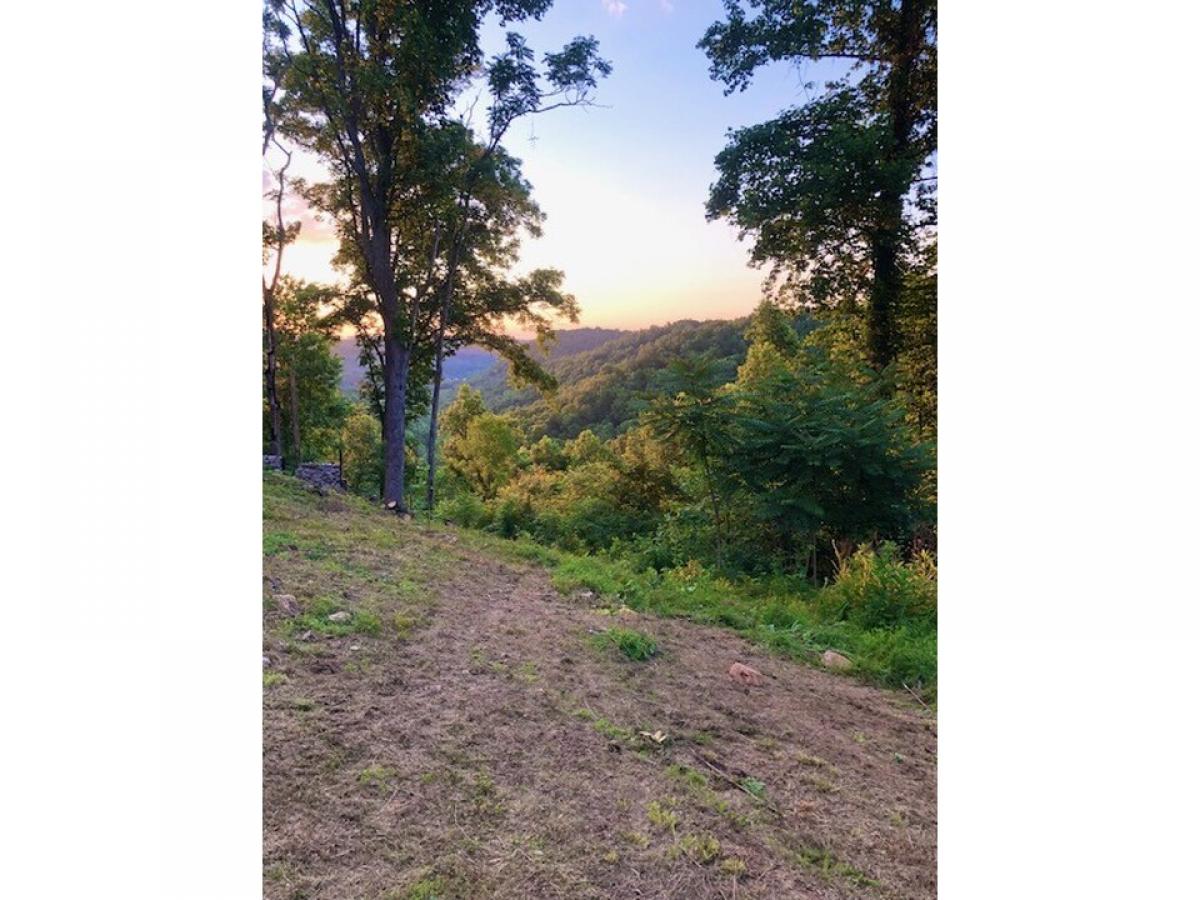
(439,358)
(294,391)
(275,444)
(395,388)
(887,275)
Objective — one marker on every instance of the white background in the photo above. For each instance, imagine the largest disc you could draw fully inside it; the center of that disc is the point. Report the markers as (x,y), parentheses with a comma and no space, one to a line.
(1068,457)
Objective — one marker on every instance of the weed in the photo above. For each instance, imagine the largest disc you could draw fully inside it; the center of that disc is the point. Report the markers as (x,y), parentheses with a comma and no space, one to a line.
(829,866)
(637,838)
(661,817)
(634,645)
(688,776)
(821,784)
(270,679)
(733,866)
(754,787)
(703,848)
(806,759)
(303,704)
(376,777)
(612,856)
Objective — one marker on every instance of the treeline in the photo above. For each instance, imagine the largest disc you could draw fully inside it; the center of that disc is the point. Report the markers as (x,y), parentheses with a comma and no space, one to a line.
(793,461)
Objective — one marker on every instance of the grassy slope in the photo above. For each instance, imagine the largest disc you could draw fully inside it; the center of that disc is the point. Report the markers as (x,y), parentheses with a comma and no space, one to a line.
(465,733)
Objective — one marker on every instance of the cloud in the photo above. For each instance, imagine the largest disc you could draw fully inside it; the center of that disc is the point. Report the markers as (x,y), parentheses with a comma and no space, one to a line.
(666,6)
(614,8)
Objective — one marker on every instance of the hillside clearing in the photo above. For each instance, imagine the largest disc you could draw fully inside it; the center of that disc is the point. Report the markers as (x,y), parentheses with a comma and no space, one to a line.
(468,731)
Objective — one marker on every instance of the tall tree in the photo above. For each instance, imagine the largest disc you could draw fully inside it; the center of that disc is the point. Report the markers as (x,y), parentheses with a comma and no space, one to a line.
(836,193)
(360,78)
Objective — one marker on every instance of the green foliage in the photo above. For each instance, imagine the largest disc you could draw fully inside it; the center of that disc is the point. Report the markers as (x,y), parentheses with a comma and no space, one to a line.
(316,618)
(362,453)
(632,644)
(876,589)
(308,373)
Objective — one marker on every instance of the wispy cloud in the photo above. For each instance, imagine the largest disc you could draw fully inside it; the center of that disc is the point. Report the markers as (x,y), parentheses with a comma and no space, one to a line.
(614,8)
(666,6)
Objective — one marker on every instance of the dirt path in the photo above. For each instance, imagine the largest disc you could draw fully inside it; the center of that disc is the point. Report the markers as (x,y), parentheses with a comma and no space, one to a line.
(484,747)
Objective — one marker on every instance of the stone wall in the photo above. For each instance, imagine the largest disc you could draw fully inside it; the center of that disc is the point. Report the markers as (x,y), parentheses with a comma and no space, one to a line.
(272,462)
(325,475)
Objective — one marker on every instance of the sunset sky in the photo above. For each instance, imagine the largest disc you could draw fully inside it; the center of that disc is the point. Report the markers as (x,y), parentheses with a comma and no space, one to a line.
(623,185)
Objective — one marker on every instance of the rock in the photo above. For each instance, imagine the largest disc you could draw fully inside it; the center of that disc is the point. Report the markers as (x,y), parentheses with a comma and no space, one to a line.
(355,647)
(340,616)
(327,476)
(287,604)
(272,462)
(745,675)
(266,662)
(307,636)
(831,659)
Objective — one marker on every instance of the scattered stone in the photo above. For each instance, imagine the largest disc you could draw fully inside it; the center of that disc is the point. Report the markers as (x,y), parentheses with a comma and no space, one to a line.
(266,662)
(355,647)
(307,636)
(340,616)
(745,675)
(831,659)
(272,462)
(288,605)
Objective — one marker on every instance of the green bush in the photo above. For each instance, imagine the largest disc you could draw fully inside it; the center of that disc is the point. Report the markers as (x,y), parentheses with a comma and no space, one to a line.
(464,508)
(877,589)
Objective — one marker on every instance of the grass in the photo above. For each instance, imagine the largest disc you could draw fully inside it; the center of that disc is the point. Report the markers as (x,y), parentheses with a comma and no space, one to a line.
(787,616)
(632,644)
(376,777)
(661,817)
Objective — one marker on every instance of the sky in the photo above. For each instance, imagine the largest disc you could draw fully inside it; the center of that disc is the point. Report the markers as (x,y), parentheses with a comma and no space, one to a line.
(623,184)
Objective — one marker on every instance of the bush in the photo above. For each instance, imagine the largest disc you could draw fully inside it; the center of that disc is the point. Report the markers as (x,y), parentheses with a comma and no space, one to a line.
(877,589)
(464,509)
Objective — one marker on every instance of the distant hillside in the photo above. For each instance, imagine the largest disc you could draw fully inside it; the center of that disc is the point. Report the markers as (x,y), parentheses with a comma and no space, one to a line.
(462,365)
(603,388)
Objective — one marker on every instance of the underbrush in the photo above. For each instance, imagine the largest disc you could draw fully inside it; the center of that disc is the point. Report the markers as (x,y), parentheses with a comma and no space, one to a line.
(880,612)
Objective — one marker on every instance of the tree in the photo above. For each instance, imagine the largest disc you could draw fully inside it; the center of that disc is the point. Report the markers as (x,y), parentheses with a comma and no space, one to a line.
(363,82)
(694,416)
(516,91)
(360,79)
(316,409)
(836,193)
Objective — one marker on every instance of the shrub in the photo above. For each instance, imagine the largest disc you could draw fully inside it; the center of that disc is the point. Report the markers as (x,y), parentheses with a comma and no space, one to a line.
(464,509)
(876,589)
(633,644)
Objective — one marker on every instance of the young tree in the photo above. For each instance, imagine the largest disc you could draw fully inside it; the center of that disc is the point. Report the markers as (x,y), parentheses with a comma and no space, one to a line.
(835,192)
(316,409)
(517,91)
(694,416)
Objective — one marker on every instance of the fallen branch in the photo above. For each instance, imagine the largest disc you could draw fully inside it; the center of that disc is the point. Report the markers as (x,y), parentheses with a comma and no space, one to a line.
(918,697)
(741,787)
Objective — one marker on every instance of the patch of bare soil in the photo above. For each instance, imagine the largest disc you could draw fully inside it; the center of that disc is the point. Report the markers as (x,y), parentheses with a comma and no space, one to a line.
(497,751)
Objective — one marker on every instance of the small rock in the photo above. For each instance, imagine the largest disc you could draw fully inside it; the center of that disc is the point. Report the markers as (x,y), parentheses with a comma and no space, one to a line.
(745,675)
(355,647)
(287,605)
(307,636)
(831,659)
(266,662)
(340,616)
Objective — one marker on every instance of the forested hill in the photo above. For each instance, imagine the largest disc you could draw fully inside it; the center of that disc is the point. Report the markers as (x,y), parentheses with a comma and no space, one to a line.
(602,388)
(471,363)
